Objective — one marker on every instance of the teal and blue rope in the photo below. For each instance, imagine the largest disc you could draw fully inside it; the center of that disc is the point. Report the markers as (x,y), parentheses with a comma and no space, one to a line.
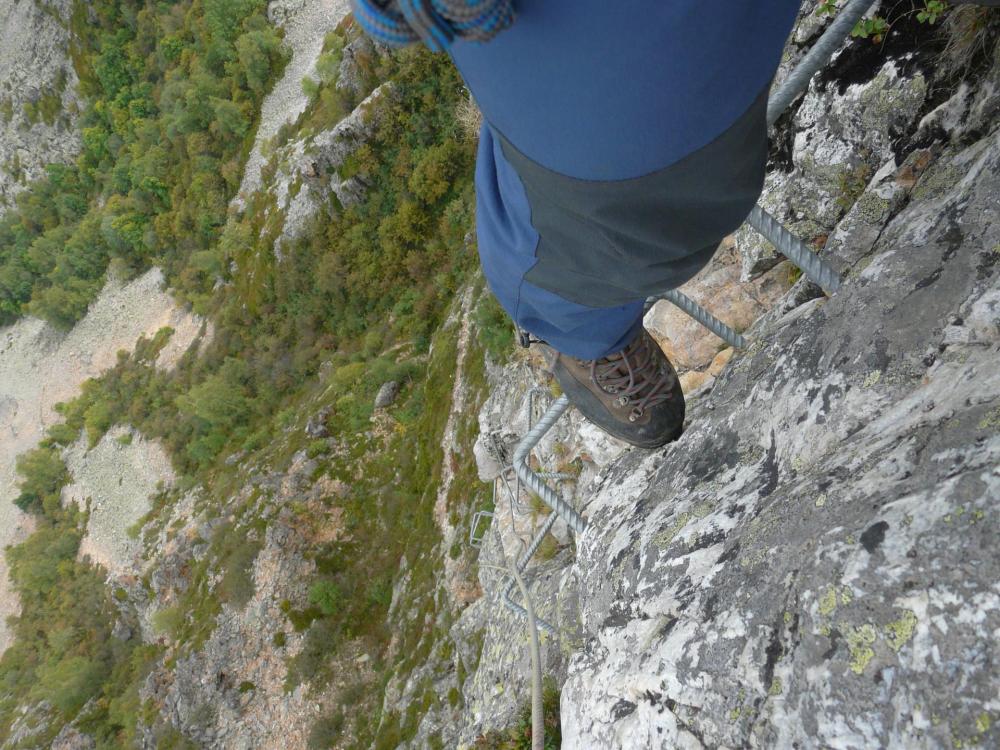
(436,23)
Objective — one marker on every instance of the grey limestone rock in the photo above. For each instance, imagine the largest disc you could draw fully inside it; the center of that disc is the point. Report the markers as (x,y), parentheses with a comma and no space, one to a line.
(316,426)
(387,394)
(39,105)
(70,738)
(350,75)
(308,176)
(812,564)
(845,128)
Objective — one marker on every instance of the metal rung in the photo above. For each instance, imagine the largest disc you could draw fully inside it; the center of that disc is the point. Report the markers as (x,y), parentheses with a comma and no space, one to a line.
(476,540)
(703,316)
(814,267)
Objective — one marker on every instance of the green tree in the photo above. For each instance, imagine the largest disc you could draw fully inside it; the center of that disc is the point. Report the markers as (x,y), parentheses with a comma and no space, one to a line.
(44,475)
(436,172)
(258,53)
(70,682)
(219,408)
(230,121)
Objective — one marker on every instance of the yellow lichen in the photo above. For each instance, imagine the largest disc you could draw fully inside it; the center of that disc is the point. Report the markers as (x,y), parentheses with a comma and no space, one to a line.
(754,558)
(665,537)
(828,602)
(872,208)
(899,633)
(983,723)
(859,643)
(821,501)
(991,421)
(872,379)
(776,686)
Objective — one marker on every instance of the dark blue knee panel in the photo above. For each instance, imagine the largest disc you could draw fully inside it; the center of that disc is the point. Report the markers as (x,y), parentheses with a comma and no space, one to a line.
(623,141)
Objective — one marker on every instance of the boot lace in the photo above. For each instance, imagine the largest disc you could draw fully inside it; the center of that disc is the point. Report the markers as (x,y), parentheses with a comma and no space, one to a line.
(634,375)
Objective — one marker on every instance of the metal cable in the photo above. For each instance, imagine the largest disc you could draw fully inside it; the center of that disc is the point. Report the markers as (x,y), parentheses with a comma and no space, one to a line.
(814,267)
(534,646)
(513,502)
(537,717)
(521,564)
(818,56)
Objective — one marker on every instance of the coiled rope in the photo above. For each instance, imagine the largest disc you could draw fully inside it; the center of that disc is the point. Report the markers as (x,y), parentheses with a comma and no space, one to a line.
(436,23)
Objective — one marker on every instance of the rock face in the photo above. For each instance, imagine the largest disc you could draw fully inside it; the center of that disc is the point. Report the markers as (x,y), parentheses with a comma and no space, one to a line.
(38,101)
(308,170)
(719,288)
(813,563)
(230,692)
(305,25)
(386,394)
(858,114)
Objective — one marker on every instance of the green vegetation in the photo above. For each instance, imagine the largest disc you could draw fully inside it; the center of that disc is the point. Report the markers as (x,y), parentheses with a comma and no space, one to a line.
(172,97)
(873,27)
(876,27)
(851,183)
(518,737)
(46,106)
(826,8)
(496,331)
(171,94)
(932,10)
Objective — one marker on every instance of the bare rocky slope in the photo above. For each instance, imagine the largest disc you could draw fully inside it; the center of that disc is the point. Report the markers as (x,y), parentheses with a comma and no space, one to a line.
(41,366)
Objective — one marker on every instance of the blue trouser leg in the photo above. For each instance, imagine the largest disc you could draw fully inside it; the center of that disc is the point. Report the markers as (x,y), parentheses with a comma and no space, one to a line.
(624,140)
(507,252)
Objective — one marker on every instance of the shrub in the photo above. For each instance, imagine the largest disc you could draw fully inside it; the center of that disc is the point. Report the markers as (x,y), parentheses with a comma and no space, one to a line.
(70,682)
(494,328)
(326,731)
(44,474)
(518,737)
(326,595)
(169,621)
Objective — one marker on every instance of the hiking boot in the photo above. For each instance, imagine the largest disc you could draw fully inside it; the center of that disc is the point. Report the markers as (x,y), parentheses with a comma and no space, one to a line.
(633,394)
